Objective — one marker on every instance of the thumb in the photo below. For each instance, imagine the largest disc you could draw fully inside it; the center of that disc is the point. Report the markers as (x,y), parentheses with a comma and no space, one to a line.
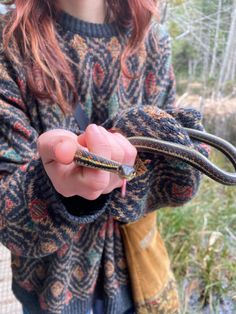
(64,151)
(57,145)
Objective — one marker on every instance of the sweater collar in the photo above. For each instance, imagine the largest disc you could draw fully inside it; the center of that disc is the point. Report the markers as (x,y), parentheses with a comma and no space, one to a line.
(84,28)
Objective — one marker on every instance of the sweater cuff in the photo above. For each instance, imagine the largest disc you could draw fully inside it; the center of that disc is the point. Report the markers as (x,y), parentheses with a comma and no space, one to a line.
(80,207)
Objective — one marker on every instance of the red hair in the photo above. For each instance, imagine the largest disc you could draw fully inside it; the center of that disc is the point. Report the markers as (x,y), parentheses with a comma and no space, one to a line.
(30,31)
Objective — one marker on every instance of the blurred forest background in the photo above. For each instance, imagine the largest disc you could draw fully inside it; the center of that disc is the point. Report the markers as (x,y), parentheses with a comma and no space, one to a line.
(201,236)
(204,57)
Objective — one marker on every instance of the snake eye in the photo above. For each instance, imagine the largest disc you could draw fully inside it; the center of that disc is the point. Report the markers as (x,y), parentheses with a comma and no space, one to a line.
(127,172)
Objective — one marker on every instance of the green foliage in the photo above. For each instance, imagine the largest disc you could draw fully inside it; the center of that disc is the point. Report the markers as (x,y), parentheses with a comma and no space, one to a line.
(183,51)
(174,29)
(193,27)
(177,2)
(201,239)
(229,87)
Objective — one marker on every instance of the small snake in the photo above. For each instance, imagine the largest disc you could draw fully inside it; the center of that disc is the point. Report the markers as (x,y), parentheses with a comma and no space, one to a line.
(186,154)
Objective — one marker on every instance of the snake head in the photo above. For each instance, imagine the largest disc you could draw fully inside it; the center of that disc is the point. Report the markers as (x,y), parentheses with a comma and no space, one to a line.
(126,172)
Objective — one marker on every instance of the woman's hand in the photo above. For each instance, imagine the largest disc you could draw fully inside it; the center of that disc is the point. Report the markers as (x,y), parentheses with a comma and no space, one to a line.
(57,149)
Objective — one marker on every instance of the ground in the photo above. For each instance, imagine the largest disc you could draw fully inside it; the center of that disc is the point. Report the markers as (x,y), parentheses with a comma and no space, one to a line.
(8,303)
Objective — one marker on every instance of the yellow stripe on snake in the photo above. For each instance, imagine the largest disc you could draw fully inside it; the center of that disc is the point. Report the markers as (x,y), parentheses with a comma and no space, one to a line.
(167,140)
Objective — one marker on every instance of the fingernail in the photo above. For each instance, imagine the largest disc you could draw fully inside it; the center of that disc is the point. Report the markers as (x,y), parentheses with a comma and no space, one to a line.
(104,131)
(94,128)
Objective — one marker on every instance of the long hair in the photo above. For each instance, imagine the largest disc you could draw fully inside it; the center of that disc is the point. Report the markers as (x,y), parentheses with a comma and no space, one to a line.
(30,31)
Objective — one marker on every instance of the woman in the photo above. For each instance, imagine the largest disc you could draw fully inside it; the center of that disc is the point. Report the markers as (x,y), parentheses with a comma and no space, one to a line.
(60,221)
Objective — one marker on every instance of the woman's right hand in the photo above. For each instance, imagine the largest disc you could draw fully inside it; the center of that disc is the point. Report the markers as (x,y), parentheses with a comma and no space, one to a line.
(57,149)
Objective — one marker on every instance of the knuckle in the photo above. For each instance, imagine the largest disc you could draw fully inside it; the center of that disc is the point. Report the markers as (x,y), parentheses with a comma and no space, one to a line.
(101,148)
(131,154)
(67,194)
(99,183)
(104,148)
(93,196)
(103,130)
(115,182)
(118,154)
(64,192)
(129,150)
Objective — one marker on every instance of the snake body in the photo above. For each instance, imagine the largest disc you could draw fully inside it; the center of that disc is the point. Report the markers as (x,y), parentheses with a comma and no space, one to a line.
(156,146)
(90,160)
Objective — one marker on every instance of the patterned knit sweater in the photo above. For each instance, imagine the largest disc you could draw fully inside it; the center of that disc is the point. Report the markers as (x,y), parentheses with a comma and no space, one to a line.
(61,247)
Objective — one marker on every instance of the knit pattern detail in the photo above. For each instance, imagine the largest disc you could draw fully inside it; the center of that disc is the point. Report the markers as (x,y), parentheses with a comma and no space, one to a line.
(166,302)
(57,256)
(85,28)
(150,189)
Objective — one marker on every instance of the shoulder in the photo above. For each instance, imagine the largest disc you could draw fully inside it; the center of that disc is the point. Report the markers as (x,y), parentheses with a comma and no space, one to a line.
(3,22)
(5,64)
(159,30)
(12,72)
(13,60)
(158,41)
(2,25)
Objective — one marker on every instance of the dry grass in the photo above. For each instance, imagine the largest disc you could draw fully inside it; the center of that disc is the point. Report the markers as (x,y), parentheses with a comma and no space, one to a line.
(223,107)
(219,117)
(201,239)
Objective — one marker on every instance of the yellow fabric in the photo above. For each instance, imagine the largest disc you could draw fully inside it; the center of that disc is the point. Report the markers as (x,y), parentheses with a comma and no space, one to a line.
(149,266)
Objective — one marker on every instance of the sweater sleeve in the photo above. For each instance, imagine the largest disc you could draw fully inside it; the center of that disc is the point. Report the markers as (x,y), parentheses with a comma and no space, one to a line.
(161,181)
(34,221)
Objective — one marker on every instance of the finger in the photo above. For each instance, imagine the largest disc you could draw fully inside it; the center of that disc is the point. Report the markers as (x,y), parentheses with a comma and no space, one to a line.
(60,175)
(130,152)
(117,154)
(68,181)
(82,140)
(117,151)
(64,151)
(52,145)
(97,143)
